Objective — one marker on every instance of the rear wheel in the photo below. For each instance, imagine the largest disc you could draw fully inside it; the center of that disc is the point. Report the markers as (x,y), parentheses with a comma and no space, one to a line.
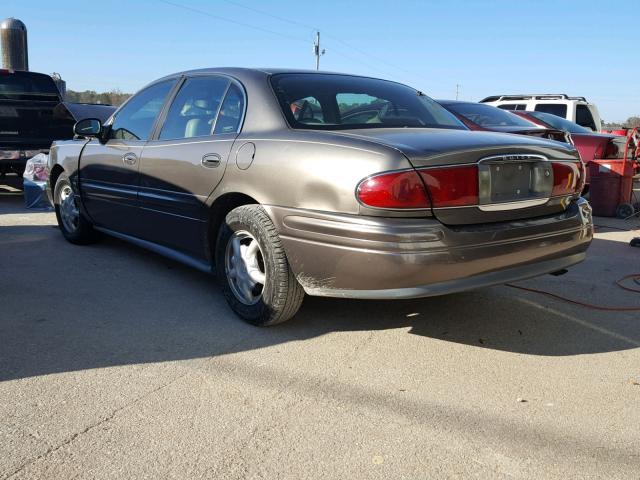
(253,270)
(73,225)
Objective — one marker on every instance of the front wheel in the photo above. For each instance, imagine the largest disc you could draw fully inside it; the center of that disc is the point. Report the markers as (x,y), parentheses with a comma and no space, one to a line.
(253,270)
(73,225)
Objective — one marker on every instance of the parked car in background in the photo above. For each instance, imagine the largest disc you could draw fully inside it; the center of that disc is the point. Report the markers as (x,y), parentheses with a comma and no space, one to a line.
(591,145)
(269,178)
(575,109)
(32,116)
(478,116)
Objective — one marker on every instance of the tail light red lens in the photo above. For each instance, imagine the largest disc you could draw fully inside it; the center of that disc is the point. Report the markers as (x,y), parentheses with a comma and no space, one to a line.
(395,190)
(568,178)
(453,186)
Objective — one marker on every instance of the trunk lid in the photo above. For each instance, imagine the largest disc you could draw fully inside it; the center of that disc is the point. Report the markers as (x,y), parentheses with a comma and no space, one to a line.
(515,174)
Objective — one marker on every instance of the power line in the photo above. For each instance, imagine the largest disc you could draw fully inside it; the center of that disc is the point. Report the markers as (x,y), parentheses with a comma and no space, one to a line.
(277,17)
(333,37)
(229,20)
(289,37)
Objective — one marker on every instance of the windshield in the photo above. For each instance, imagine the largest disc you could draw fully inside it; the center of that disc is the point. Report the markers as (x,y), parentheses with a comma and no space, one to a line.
(559,122)
(488,116)
(26,83)
(340,102)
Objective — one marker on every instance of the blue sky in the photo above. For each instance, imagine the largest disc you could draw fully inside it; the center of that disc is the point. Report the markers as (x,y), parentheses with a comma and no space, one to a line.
(488,47)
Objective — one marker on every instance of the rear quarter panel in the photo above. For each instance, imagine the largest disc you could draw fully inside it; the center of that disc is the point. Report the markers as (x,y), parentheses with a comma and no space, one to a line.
(307,170)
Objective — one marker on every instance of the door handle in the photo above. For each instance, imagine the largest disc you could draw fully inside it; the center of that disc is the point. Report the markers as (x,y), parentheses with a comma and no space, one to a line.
(129,158)
(211,160)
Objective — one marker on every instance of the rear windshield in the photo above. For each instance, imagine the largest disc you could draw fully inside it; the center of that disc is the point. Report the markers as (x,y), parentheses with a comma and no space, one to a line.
(488,116)
(559,122)
(26,83)
(340,102)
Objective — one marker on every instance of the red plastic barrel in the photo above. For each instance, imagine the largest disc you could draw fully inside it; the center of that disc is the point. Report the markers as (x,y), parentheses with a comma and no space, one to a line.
(611,184)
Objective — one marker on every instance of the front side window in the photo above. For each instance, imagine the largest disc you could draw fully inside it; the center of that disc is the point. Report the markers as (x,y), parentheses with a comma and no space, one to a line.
(339,102)
(488,116)
(558,109)
(194,111)
(134,121)
(584,117)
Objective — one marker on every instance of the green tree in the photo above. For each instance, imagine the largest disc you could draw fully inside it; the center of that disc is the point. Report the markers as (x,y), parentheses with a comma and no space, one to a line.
(113,97)
(632,122)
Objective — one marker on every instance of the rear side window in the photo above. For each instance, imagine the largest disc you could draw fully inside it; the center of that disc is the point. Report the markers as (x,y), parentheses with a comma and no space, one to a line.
(558,109)
(135,119)
(26,83)
(194,111)
(231,111)
(584,117)
(513,106)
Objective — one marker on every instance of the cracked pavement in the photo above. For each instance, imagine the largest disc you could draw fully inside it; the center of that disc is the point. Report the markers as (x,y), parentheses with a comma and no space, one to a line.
(116,363)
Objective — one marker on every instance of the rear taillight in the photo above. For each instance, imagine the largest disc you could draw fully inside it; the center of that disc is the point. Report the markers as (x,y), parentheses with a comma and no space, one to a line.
(456,186)
(452,186)
(568,178)
(394,190)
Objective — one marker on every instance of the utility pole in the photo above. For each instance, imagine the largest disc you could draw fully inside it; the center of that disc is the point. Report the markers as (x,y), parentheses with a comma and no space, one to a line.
(457,90)
(316,50)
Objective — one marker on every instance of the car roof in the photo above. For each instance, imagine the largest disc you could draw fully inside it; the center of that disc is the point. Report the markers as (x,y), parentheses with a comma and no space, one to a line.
(241,72)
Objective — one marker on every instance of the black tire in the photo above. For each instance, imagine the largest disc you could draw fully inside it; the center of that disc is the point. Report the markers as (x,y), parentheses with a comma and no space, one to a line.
(84,233)
(625,210)
(281,295)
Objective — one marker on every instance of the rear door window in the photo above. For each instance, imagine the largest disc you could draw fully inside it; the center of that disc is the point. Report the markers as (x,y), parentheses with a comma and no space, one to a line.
(194,111)
(134,121)
(558,109)
(584,117)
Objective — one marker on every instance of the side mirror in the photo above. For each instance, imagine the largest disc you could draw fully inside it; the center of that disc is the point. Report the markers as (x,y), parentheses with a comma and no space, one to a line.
(88,127)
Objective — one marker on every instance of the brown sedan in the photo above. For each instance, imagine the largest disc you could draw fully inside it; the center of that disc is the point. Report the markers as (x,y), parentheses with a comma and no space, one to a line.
(291,182)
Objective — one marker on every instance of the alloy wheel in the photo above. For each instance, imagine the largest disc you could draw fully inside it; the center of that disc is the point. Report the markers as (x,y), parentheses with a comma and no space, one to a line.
(244,266)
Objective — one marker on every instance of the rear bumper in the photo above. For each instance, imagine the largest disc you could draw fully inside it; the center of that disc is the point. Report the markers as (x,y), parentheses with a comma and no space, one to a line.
(379,258)
(18,157)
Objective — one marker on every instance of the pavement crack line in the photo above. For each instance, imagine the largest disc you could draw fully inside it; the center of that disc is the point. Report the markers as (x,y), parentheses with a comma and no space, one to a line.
(91,427)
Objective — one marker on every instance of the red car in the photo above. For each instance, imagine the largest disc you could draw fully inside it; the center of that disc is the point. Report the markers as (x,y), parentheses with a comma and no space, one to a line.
(590,145)
(478,116)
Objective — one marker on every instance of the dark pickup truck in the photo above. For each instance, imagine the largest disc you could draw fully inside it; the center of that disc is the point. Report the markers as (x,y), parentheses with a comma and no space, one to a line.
(33,115)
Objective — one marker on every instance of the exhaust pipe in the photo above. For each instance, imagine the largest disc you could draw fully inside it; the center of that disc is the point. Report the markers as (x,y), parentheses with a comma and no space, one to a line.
(557,273)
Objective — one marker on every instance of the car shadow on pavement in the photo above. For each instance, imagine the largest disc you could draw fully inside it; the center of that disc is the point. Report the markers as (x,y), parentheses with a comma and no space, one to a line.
(68,308)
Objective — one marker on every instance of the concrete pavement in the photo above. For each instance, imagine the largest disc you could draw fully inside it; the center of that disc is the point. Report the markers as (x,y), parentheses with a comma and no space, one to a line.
(116,363)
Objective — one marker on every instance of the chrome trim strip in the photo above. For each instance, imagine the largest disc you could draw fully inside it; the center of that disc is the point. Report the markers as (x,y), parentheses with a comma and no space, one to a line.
(496,207)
